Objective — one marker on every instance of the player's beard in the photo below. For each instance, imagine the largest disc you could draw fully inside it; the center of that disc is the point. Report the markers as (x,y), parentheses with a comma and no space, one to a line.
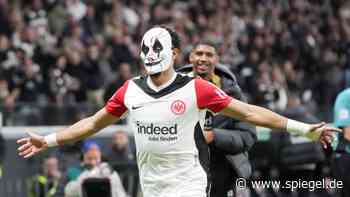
(155,75)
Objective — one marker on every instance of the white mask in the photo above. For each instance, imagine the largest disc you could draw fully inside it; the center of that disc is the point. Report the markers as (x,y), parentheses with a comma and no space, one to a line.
(156,50)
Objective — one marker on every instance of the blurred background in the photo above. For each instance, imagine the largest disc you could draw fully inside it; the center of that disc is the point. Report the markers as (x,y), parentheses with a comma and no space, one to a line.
(60,60)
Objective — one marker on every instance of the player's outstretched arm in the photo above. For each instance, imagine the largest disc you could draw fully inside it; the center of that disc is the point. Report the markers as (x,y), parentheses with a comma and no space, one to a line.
(88,126)
(263,117)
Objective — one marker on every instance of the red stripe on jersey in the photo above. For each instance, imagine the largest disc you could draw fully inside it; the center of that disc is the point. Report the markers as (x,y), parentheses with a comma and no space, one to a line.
(210,97)
(115,104)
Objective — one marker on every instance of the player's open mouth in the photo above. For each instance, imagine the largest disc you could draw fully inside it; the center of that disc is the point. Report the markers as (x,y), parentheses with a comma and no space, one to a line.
(202,67)
(153,63)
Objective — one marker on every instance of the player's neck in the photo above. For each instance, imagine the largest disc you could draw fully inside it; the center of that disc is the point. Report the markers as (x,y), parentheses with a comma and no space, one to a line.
(163,77)
(207,77)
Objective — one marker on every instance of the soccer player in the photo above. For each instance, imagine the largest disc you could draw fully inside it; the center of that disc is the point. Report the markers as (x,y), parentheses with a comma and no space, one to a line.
(229,139)
(166,112)
(342,158)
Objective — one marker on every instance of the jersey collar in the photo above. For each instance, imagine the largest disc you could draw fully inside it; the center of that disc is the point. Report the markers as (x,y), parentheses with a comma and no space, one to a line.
(159,88)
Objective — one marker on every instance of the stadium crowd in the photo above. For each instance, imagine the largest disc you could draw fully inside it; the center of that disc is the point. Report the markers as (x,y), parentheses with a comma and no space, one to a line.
(70,51)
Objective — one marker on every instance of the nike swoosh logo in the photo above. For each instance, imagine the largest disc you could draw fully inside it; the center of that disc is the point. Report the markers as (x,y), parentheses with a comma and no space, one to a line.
(136,107)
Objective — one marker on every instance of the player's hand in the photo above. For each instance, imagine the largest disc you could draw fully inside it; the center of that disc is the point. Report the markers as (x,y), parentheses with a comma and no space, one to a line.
(326,133)
(31,145)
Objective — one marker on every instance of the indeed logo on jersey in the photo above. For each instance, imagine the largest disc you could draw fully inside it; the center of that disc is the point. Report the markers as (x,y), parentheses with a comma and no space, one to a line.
(154,129)
(156,132)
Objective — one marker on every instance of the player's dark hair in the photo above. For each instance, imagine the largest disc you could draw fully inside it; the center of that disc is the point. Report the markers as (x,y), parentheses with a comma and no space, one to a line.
(207,42)
(175,38)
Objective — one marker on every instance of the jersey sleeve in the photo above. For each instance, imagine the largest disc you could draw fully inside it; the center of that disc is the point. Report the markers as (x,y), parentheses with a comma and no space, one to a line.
(210,97)
(342,110)
(116,105)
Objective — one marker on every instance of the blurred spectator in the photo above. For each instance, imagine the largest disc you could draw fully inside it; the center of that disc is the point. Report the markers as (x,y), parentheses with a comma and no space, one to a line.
(124,73)
(121,151)
(282,44)
(89,22)
(76,80)
(296,110)
(280,87)
(45,184)
(4,90)
(58,18)
(120,50)
(92,167)
(121,155)
(27,82)
(76,8)
(74,41)
(2,153)
(247,70)
(113,19)
(36,17)
(94,74)
(4,20)
(4,48)
(271,87)
(26,40)
(23,76)
(58,81)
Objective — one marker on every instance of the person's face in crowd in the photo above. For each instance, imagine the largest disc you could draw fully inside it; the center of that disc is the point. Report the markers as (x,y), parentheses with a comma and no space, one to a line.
(61,62)
(244,41)
(329,57)
(90,12)
(202,20)
(159,12)
(37,4)
(118,38)
(120,140)
(270,39)
(75,58)
(20,55)
(4,42)
(92,157)
(293,101)
(204,58)
(254,57)
(30,68)
(93,52)
(15,17)
(125,71)
(51,167)
(3,3)
(29,35)
(4,91)
(259,42)
(71,2)
(277,75)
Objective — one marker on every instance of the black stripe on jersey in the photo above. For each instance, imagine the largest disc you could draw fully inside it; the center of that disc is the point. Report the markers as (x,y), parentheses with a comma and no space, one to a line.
(179,82)
(203,151)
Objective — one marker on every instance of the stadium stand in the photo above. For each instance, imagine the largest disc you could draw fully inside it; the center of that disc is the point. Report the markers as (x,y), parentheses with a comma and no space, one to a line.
(61,59)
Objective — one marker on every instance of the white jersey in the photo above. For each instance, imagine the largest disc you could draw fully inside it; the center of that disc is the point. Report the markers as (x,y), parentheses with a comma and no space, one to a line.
(171,152)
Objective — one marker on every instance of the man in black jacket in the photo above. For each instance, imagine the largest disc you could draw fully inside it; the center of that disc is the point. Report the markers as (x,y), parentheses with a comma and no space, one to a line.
(228,150)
